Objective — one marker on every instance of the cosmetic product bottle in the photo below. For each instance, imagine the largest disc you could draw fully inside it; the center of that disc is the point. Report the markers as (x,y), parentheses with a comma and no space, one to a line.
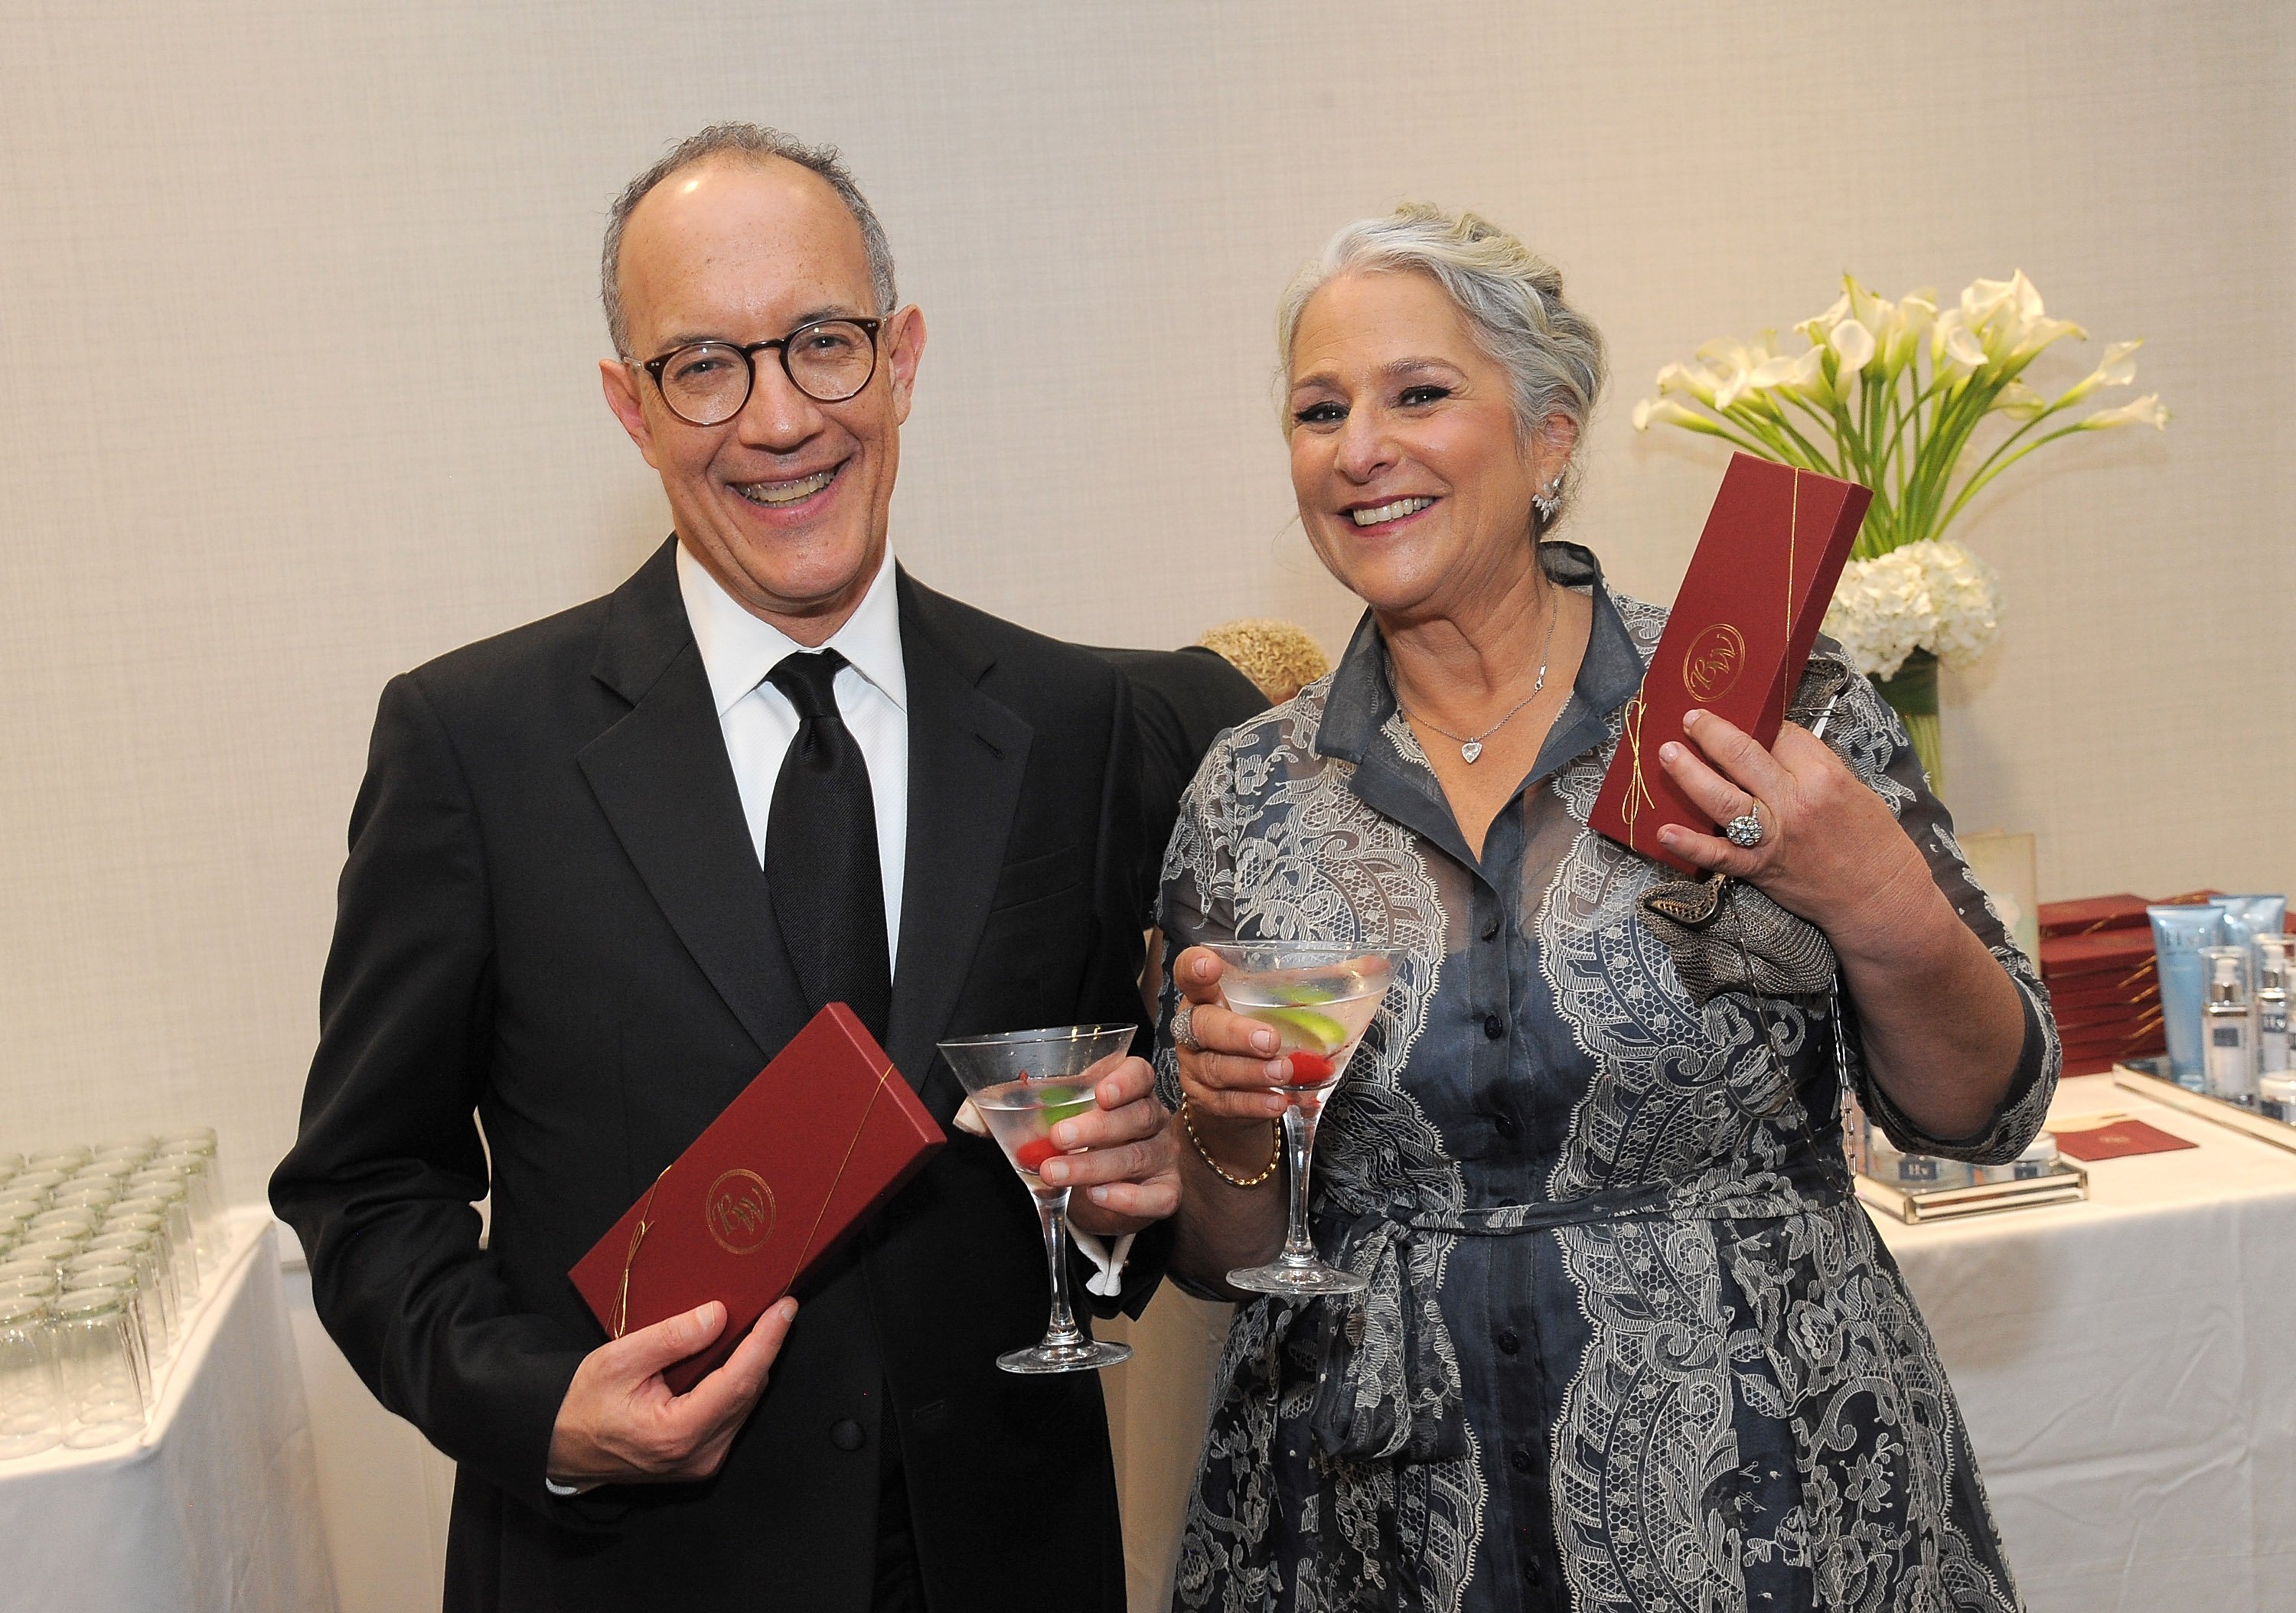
(2178,933)
(2276,1097)
(2229,1022)
(2275,954)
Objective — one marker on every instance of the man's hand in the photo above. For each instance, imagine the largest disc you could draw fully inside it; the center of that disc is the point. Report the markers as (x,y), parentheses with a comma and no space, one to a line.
(620,1423)
(1124,1156)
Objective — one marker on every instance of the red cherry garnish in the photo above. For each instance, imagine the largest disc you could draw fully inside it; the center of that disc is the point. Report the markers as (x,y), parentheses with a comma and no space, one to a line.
(1032,1154)
(1308,1070)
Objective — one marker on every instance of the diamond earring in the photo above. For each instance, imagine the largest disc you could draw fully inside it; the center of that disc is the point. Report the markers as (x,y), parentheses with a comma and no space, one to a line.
(1548,500)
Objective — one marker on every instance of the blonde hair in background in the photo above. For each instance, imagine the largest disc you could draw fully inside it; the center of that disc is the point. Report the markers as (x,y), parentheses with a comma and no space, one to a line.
(1510,297)
(1277,656)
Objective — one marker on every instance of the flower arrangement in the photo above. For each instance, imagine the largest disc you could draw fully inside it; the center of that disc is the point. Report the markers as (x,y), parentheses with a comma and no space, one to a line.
(1894,396)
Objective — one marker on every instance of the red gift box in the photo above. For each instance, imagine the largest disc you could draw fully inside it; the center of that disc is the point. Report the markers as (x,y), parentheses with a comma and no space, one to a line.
(821,1137)
(2132,992)
(2121,912)
(1738,637)
(2104,952)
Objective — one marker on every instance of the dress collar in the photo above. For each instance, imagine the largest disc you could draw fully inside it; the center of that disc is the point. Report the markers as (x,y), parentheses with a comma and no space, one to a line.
(738,649)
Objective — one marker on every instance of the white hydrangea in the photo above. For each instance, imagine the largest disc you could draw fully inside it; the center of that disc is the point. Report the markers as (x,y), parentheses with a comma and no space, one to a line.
(1932,596)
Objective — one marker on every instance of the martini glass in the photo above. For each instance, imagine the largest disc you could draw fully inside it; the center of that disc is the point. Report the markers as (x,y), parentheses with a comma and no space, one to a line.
(1318,997)
(1023,1083)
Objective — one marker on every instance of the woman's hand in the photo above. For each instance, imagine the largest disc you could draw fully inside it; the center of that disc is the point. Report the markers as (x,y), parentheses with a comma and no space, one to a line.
(1942,1024)
(1227,1066)
(1227,1072)
(1831,849)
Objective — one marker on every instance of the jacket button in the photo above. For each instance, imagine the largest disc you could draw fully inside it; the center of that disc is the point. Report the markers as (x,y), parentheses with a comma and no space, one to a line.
(846,1434)
(1520,1460)
(1510,1341)
(1504,1123)
(1491,929)
(1493,1027)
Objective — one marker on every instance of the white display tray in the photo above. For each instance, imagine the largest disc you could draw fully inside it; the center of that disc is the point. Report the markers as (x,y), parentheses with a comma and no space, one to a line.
(2065,1182)
(2218,1111)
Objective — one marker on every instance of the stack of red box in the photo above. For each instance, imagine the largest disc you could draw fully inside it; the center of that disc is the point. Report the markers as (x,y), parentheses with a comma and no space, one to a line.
(2097,965)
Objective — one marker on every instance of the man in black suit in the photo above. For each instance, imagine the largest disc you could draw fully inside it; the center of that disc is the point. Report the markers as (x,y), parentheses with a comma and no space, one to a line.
(602,867)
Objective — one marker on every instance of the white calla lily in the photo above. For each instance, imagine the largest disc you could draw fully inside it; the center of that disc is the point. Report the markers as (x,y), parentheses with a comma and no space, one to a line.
(2117,368)
(1940,407)
(1666,412)
(1853,345)
(2146,411)
(2019,401)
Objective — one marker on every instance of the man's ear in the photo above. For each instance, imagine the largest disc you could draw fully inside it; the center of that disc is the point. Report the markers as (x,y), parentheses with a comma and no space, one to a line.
(905,344)
(620,381)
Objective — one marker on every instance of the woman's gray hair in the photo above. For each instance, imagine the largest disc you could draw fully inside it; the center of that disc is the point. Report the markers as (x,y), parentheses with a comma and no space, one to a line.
(758,143)
(1510,297)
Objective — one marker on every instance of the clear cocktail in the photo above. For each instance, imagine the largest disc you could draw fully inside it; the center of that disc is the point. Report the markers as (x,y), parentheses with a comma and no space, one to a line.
(1319,999)
(1023,1084)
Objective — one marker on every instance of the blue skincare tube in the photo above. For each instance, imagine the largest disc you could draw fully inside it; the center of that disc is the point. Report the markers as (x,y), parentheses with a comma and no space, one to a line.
(2245,918)
(2178,934)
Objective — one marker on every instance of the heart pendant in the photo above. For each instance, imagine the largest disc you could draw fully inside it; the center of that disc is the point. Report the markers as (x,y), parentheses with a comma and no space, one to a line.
(1472,749)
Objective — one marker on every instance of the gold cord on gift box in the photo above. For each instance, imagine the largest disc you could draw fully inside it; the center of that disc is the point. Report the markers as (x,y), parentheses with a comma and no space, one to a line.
(630,1257)
(646,1222)
(1275,1152)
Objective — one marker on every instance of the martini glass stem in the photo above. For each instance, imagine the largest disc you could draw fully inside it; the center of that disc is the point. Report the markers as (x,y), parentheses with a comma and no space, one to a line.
(1053,1212)
(1299,1148)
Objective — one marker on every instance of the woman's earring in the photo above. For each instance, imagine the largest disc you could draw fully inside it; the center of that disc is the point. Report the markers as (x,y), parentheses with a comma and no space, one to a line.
(1548,500)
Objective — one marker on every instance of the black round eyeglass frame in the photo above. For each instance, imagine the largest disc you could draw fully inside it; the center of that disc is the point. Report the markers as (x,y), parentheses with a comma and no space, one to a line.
(780,347)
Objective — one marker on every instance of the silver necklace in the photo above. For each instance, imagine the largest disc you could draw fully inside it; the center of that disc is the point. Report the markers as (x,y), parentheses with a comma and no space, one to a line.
(1471,747)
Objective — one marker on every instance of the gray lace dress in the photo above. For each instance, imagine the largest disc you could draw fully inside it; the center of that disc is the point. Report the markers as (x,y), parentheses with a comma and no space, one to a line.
(1630,1343)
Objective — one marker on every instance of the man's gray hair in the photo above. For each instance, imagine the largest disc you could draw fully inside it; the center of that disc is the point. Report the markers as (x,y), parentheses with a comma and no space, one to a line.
(1510,297)
(756,142)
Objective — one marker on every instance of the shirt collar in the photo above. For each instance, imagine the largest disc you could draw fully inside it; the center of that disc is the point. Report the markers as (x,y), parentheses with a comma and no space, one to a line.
(738,649)
(1362,695)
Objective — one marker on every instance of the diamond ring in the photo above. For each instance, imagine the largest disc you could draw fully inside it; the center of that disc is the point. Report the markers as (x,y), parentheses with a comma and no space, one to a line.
(1744,829)
(1184,1029)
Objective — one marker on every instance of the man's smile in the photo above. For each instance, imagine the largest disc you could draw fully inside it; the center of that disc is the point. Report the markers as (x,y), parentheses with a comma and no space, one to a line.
(774,494)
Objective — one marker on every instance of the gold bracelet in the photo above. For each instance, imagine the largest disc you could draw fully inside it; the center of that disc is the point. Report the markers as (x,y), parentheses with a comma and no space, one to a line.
(1274,1152)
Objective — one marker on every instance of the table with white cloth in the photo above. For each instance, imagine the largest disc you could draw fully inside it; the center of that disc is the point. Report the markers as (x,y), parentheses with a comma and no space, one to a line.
(214,1507)
(2127,1367)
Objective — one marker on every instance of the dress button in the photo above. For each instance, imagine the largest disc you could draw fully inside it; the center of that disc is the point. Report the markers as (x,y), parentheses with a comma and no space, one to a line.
(1504,1123)
(1520,1460)
(1493,1027)
(1510,1341)
(1491,930)
(846,1434)
(1530,1569)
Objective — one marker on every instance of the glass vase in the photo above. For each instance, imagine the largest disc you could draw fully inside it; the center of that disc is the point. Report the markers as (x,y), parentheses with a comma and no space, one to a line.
(1913,694)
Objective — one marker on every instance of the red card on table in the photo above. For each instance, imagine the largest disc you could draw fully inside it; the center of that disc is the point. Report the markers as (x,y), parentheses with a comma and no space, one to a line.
(1738,637)
(2116,1138)
(825,1135)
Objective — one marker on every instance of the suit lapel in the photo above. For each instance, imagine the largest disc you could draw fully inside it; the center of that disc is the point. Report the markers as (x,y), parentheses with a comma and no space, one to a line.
(661,776)
(967,756)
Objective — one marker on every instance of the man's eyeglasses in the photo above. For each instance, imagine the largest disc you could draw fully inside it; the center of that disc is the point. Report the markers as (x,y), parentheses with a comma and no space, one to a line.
(706,383)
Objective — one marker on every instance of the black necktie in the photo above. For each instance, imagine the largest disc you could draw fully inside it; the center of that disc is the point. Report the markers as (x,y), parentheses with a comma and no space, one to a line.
(821,851)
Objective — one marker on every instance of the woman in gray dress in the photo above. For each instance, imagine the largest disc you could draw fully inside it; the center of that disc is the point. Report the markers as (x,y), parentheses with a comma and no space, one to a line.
(1629,1342)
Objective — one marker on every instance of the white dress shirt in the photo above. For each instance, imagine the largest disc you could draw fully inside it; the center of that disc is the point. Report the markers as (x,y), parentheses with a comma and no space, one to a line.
(738,649)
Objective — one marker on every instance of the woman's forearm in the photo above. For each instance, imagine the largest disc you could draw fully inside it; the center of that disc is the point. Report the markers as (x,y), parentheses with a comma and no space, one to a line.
(1940,1019)
(1221,1227)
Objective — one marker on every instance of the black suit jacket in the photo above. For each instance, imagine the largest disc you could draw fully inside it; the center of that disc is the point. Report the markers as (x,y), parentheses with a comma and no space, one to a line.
(551,915)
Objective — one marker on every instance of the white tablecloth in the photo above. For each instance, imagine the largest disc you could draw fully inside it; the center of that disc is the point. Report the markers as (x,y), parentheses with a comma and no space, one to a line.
(216,1507)
(2129,1370)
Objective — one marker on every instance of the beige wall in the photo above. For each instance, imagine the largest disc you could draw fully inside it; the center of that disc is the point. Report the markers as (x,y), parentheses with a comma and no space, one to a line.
(297,316)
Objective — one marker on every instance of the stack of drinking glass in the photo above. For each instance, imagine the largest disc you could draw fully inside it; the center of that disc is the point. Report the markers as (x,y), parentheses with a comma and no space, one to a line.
(101,1251)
